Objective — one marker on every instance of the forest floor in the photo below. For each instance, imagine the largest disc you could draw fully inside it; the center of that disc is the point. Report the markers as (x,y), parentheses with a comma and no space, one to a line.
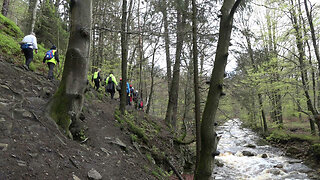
(32,147)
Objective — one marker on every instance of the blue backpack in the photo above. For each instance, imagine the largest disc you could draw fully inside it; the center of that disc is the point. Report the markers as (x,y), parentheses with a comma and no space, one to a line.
(49,55)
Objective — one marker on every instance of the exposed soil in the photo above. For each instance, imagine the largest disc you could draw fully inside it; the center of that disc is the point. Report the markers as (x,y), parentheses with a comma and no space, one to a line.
(32,147)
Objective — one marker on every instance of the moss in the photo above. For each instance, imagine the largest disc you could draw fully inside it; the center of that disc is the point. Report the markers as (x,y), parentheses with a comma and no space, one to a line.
(9,45)
(59,109)
(134,138)
(9,27)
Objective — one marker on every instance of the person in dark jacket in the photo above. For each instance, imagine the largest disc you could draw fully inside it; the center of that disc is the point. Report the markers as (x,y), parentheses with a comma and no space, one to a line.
(96,79)
(51,58)
(111,83)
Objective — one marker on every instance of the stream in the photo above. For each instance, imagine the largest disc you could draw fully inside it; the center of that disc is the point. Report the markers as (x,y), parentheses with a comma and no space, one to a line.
(265,162)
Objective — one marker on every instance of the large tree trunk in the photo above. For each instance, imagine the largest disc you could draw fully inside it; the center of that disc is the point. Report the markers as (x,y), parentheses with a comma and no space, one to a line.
(172,108)
(208,135)
(66,105)
(196,81)
(5,7)
(32,15)
(124,56)
(166,41)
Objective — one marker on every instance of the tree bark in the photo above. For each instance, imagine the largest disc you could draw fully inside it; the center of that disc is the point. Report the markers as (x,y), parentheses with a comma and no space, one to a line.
(303,70)
(172,108)
(166,41)
(152,79)
(124,56)
(32,15)
(209,137)
(66,105)
(5,7)
(196,81)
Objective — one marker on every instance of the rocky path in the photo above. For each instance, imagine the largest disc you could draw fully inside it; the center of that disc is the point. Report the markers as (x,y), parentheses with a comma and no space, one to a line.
(31,147)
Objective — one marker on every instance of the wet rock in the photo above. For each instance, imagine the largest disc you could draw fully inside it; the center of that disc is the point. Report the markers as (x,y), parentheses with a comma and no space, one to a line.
(3,147)
(294,161)
(280,166)
(264,156)
(218,163)
(250,146)
(275,171)
(247,153)
(94,174)
(21,163)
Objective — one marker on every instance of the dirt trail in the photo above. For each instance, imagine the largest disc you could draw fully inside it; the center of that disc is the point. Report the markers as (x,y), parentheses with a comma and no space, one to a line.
(31,147)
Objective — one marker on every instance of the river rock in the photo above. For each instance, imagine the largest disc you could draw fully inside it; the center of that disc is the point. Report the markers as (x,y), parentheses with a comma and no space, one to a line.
(280,166)
(275,171)
(94,174)
(250,146)
(294,161)
(218,163)
(264,156)
(247,153)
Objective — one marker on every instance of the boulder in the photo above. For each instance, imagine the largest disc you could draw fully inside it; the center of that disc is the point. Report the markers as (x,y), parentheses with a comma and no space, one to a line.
(247,153)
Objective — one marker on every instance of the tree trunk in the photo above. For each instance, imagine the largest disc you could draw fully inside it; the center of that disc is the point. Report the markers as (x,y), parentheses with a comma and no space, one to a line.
(196,81)
(66,105)
(303,70)
(152,79)
(250,51)
(172,108)
(166,41)
(5,7)
(209,137)
(32,15)
(124,56)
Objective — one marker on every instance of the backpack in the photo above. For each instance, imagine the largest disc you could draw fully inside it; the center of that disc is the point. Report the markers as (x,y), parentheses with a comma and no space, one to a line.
(49,55)
(24,46)
(110,80)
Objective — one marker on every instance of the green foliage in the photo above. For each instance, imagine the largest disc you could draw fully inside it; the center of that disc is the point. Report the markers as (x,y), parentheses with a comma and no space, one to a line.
(278,136)
(49,27)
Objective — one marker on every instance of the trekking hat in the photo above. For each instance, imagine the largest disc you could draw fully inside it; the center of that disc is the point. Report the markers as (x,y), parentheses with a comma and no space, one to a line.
(130,85)
(120,79)
(53,47)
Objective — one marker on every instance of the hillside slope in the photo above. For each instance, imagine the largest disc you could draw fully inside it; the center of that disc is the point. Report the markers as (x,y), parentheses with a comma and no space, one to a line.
(33,148)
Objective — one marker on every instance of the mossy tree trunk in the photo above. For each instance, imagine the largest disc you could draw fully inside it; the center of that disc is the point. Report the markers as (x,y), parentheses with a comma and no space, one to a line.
(209,137)
(66,105)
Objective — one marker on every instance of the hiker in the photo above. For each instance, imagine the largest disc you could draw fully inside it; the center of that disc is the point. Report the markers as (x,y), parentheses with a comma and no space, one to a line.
(131,93)
(111,83)
(51,58)
(140,105)
(27,45)
(96,78)
(119,87)
(135,97)
(128,94)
